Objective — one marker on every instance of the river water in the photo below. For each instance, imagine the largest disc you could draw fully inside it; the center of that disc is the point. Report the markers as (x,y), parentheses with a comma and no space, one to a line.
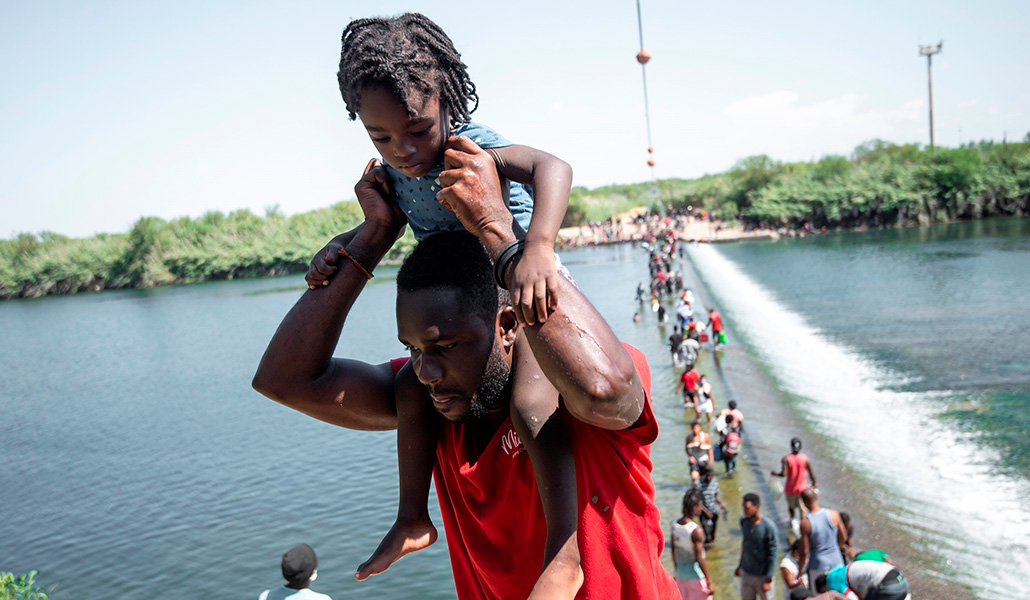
(907,352)
(136,460)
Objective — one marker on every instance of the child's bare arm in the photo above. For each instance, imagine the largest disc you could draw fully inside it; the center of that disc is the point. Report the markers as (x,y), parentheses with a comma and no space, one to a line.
(534,292)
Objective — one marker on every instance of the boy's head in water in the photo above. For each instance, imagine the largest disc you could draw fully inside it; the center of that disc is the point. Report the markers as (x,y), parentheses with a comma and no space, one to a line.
(405,80)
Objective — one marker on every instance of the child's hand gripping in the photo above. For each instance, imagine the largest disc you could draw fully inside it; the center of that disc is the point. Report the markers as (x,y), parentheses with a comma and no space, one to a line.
(534,284)
(323,264)
(374,197)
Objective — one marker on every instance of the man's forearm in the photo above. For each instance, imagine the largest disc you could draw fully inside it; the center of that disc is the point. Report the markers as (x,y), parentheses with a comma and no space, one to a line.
(300,351)
(586,362)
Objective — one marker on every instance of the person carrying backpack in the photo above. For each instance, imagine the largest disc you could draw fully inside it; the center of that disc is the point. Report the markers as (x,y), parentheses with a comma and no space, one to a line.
(730,444)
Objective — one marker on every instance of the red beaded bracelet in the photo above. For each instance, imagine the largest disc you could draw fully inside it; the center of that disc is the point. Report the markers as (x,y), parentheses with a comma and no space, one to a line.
(364,271)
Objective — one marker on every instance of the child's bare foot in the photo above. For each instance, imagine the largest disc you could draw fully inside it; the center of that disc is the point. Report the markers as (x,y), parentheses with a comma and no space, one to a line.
(406,536)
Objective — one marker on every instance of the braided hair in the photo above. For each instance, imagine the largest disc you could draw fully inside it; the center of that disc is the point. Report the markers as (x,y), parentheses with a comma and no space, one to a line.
(404,54)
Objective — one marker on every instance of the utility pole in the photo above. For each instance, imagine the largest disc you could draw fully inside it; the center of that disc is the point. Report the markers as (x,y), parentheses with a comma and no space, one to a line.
(928,52)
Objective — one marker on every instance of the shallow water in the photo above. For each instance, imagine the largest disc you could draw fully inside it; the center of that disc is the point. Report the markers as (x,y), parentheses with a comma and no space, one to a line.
(902,349)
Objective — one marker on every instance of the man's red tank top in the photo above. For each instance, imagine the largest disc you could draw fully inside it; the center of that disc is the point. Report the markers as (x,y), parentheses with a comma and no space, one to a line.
(797,477)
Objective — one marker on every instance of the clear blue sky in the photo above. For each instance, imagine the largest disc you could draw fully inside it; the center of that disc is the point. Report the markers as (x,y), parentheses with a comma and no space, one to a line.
(110,111)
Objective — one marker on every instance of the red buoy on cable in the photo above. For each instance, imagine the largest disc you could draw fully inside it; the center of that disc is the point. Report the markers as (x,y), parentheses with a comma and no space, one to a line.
(650,162)
(643,56)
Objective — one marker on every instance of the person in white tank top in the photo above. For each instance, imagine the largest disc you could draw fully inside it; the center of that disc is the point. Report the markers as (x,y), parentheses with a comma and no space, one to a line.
(688,552)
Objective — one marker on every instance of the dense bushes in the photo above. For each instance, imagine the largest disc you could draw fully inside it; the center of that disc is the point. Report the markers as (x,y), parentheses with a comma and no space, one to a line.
(880,184)
(21,587)
(889,184)
(157,252)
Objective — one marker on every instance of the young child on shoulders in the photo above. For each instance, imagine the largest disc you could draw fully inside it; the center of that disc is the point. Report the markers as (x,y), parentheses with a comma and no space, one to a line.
(404,80)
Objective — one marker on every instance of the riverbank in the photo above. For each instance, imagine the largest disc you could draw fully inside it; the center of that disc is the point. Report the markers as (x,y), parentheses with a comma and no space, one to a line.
(627,227)
(770,422)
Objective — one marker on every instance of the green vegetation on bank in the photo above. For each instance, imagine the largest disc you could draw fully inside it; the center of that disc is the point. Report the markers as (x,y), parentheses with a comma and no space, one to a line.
(21,587)
(158,252)
(880,184)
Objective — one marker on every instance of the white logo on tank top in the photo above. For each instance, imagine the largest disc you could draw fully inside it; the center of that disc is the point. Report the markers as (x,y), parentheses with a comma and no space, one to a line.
(511,444)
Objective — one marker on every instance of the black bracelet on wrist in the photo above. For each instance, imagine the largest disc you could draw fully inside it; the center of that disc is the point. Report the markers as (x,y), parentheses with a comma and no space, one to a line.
(504,258)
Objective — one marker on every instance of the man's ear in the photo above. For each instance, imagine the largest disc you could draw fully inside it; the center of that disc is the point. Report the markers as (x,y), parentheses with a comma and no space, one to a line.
(507,326)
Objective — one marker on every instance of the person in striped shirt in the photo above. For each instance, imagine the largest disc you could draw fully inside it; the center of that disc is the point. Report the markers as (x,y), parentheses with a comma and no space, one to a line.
(708,487)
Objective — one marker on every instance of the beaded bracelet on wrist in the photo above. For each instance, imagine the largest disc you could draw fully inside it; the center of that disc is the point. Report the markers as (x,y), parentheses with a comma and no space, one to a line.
(364,271)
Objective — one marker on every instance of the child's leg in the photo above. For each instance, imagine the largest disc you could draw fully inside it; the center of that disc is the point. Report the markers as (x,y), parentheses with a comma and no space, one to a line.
(535,415)
(418,429)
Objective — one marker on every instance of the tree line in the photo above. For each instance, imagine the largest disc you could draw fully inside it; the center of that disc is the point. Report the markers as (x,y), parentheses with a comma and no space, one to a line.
(880,184)
(156,252)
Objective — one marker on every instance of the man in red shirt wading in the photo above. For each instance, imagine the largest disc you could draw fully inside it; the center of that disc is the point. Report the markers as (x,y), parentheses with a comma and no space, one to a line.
(715,323)
(688,383)
(797,469)
(461,361)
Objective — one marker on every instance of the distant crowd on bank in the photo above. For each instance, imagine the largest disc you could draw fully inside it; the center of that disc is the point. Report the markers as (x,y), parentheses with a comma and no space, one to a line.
(635,226)
(821,561)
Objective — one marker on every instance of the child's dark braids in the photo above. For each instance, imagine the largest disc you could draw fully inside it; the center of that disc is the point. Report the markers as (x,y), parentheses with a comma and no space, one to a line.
(404,54)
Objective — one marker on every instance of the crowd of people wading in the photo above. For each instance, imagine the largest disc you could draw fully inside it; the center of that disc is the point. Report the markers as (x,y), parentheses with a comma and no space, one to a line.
(819,559)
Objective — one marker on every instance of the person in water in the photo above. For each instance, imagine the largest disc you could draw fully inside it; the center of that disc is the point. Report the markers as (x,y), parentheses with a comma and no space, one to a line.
(792,571)
(404,80)
(708,487)
(758,551)
(465,343)
(688,552)
(703,401)
(688,385)
(715,324)
(798,470)
(823,534)
(675,343)
(869,580)
(699,450)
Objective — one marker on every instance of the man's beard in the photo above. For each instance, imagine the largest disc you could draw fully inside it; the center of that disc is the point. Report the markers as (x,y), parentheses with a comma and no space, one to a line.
(493,387)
